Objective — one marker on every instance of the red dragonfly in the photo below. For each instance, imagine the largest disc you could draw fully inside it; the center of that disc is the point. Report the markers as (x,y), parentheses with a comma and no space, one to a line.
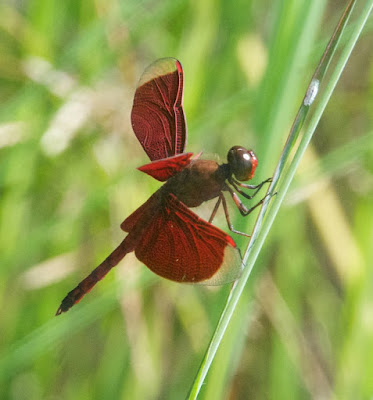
(164,233)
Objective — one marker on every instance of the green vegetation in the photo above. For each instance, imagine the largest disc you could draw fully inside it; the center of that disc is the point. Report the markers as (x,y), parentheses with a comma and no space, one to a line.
(68,178)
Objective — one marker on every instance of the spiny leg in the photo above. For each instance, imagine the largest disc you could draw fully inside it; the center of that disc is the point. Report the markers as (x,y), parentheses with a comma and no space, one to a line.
(221,199)
(235,184)
(230,226)
(241,207)
(247,186)
(215,209)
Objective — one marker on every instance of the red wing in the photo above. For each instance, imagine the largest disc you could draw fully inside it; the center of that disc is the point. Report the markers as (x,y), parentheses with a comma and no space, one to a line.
(157,114)
(180,246)
(165,168)
(153,203)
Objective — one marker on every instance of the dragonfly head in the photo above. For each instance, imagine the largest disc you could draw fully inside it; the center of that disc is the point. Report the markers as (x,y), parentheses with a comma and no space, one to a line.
(242,163)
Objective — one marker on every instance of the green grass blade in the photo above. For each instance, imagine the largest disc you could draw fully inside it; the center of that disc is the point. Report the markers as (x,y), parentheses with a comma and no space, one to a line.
(290,158)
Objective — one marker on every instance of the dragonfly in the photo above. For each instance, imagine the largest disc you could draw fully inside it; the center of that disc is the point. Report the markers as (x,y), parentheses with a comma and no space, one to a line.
(165,235)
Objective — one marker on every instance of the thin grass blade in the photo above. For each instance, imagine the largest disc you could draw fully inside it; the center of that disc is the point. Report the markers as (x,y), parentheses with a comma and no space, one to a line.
(294,149)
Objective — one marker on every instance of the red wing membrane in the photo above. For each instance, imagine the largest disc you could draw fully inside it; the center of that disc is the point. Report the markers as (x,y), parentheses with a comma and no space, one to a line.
(180,246)
(157,114)
(163,169)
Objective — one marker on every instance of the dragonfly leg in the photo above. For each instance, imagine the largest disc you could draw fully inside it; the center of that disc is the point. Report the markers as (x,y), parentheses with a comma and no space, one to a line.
(214,211)
(235,184)
(230,226)
(247,186)
(241,207)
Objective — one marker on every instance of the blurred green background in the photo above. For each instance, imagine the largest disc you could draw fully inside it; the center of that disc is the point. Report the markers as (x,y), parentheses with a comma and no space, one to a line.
(68,177)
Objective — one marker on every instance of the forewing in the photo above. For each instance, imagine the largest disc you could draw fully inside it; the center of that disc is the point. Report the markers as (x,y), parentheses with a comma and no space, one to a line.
(157,114)
(180,246)
(163,169)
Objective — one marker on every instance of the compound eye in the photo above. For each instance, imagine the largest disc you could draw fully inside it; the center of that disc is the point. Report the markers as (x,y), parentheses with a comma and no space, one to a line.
(242,162)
